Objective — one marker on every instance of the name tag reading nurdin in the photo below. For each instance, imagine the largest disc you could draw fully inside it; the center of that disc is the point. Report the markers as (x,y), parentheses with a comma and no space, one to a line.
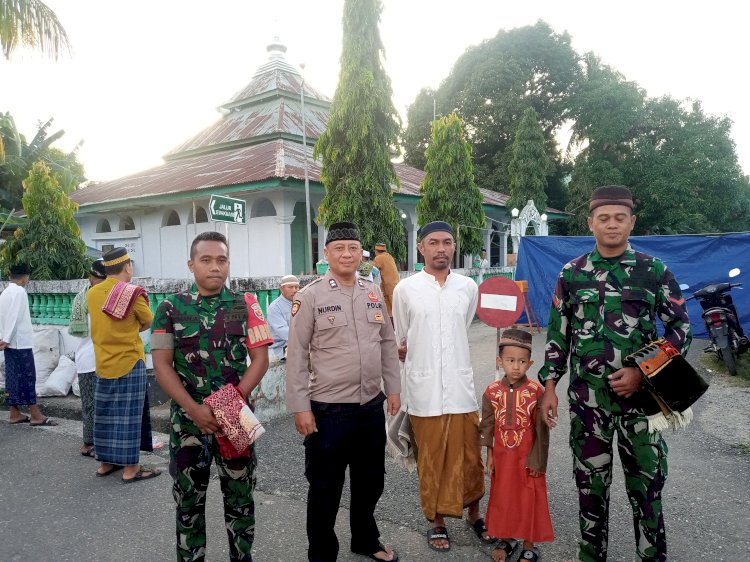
(498,302)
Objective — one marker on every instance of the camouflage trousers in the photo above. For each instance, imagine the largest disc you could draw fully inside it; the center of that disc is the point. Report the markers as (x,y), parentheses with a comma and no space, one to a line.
(644,462)
(191,455)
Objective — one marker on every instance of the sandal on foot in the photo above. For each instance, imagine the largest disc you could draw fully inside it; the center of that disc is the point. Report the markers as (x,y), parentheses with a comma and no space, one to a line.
(437,533)
(479,529)
(381,548)
(23,419)
(508,548)
(114,468)
(142,474)
(44,422)
(89,452)
(529,555)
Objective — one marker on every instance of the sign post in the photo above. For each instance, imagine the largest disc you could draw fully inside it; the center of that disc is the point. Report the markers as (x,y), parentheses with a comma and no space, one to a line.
(227,210)
(500,305)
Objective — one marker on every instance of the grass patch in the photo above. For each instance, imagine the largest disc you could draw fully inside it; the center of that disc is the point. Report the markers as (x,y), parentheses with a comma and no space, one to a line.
(743,448)
(709,361)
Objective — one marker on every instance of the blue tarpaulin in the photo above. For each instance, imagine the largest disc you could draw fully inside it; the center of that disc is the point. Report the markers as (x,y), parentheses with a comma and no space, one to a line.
(695,260)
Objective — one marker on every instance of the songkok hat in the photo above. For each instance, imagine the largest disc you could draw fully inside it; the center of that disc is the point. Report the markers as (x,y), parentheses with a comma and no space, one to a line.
(20,269)
(611,195)
(380,247)
(515,337)
(289,280)
(97,269)
(365,254)
(115,256)
(434,226)
(342,231)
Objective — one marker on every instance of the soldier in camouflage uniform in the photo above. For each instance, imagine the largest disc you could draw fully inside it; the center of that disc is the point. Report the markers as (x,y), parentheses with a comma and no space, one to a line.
(605,307)
(200,342)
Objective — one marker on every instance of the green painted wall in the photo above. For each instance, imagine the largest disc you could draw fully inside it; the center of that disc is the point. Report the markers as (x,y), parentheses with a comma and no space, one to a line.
(299,238)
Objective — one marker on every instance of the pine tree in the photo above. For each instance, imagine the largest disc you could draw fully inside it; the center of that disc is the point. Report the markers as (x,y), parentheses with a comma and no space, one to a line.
(449,192)
(530,164)
(361,134)
(50,244)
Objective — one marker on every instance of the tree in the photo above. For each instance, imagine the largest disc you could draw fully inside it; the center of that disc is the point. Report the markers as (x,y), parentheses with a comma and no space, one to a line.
(31,23)
(530,164)
(17,157)
(417,138)
(491,85)
(361,134)
(50,244)
(449,192)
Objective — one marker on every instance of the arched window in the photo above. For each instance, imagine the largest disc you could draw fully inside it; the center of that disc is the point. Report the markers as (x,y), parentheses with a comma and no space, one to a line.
(126,223)
(171,218)
(263,208)
(103,226)
(200,215)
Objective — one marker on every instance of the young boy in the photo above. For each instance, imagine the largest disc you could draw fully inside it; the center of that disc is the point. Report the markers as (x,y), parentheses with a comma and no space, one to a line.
(517,442)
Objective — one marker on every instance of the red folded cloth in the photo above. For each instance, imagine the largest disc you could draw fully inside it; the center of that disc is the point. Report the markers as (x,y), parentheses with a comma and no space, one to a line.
(239,426)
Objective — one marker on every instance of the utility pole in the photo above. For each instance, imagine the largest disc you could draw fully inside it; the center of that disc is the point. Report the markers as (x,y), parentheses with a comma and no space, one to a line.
(308,236)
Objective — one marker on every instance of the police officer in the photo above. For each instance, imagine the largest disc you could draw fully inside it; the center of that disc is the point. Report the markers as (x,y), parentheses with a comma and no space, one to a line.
(341,352)
(604,307)
(200,342)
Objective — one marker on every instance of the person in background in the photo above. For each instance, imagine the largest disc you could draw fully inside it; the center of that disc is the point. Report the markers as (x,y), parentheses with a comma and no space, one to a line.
(119,311)
(79,327)
(388,274)
(16,340)
(483,261)
(368,271)
(279,315)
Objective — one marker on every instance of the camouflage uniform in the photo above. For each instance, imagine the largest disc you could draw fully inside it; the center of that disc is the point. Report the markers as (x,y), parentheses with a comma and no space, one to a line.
(208,336)
(602,310)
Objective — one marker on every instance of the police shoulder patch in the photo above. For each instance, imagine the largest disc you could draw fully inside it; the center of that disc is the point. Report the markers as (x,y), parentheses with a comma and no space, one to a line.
(295,307)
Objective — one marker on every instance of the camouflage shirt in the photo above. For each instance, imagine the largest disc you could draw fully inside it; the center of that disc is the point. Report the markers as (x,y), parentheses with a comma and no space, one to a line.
(603,310)
(210,337)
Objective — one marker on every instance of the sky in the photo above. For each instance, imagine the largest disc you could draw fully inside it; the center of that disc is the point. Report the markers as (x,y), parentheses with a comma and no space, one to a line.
(145,75)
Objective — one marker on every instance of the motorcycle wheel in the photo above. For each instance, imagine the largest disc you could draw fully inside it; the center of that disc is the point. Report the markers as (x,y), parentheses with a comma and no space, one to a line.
(729,355)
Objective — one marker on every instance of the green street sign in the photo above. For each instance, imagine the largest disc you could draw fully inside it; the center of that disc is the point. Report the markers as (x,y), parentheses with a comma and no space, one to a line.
(227,209)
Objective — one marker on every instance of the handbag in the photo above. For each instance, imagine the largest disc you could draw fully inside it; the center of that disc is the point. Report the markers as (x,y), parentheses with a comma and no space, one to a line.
(239,426)
(671,385)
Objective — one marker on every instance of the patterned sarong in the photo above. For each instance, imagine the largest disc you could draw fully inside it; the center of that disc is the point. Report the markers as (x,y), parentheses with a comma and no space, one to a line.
(20,377)
(121,298)
(449,463)
(122,424)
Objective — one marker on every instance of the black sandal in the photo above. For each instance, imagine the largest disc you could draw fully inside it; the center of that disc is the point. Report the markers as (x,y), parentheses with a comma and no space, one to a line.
(507,548)
(381,548)
(528,555)
(438,533)
(480,528)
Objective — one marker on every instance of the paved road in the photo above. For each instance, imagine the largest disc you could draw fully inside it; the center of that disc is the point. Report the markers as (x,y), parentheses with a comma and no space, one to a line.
(54,509)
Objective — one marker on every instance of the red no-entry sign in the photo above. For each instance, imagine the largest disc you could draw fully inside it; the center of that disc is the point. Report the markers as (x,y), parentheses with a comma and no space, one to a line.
(500,302)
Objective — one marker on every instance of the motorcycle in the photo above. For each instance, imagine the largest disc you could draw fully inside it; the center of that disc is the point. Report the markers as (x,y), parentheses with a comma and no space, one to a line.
(728,339)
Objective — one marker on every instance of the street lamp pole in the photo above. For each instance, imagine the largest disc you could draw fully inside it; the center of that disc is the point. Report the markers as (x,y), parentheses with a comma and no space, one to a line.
(308,236)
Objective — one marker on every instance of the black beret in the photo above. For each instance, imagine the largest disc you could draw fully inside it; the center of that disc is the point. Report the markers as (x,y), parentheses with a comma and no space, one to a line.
(342,231)
(434,226)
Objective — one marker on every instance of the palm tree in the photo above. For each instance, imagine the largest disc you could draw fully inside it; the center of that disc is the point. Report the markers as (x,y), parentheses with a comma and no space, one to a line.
(31,23)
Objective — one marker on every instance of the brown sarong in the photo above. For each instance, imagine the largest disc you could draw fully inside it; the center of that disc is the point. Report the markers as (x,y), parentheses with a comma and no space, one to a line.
(449,463)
